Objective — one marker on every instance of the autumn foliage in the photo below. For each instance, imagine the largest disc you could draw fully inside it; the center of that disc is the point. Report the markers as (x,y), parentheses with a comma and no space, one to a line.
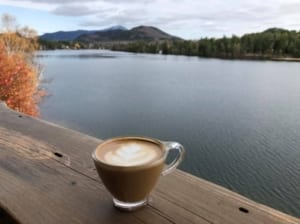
(19,74)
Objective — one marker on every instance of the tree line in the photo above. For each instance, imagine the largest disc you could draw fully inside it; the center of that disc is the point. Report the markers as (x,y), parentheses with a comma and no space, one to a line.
(268,44)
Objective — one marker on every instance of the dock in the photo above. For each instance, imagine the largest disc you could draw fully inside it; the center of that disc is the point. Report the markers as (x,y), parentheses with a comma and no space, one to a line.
(47,176)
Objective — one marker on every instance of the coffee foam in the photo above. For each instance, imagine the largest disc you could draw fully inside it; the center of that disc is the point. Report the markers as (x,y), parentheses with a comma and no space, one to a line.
(131,154)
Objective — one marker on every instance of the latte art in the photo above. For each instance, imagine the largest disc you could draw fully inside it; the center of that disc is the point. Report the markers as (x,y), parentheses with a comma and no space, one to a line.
(130,155)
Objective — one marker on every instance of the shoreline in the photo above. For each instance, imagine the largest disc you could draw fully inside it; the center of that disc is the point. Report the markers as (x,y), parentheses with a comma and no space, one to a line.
(288,59)
(245,57)
(258,58)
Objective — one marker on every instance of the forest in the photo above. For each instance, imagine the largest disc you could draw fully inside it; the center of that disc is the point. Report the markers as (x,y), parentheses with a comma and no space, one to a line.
(271,43)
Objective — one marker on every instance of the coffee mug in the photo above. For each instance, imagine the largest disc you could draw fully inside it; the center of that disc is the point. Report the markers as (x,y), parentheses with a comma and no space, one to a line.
(129,167)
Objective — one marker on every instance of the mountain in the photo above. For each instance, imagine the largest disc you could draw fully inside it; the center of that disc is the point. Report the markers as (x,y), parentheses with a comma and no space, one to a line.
(72,35)
(275,30)
(136,33)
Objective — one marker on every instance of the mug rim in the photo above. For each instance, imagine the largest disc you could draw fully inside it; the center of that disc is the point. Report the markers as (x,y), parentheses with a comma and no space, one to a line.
(143,138)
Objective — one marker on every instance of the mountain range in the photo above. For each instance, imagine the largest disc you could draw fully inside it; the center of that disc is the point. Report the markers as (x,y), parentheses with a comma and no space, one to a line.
(115,33)
(73,35)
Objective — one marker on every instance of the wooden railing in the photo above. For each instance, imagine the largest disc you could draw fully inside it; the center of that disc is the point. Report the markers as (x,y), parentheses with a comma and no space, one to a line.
(47,176)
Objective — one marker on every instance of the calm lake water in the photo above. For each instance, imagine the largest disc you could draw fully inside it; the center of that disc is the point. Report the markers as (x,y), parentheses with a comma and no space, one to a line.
(239,120)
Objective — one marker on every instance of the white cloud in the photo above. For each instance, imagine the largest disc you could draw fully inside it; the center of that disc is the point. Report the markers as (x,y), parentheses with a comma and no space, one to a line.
(27,4)
(62,2)
(186,18)
(76,10)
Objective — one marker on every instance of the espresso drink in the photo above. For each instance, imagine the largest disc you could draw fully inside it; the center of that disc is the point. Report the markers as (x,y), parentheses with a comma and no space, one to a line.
(130,167)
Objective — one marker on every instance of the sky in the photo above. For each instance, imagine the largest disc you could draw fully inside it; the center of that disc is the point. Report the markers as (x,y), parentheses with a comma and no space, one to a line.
(188,19)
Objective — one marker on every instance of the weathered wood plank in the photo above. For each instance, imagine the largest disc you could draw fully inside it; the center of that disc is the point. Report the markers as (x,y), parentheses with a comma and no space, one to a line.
(45,191)
(216,204)
(36,187)
(74,147)
(69,186)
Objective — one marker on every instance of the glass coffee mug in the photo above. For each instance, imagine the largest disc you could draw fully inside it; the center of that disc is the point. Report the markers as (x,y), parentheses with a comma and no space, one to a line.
(130,167)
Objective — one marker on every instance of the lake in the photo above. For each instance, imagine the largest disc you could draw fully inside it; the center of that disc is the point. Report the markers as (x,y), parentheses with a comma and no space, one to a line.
(238,120)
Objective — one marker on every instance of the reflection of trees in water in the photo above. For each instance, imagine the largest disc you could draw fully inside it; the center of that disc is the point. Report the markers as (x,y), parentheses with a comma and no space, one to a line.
(19,72)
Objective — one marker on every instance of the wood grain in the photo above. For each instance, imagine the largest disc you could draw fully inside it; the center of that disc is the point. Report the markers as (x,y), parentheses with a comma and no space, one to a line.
(47,176)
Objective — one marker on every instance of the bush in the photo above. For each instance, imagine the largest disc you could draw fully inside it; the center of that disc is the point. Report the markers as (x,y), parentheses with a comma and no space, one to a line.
(19,73)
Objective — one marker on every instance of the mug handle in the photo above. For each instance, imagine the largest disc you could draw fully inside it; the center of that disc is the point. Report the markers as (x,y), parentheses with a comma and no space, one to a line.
(181,151)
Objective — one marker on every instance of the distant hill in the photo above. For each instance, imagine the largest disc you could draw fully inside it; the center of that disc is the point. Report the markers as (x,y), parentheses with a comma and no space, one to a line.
(136,33)
(72,35)
(275,30)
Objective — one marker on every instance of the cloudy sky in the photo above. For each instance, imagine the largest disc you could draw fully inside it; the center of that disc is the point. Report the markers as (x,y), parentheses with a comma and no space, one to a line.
(190,19)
